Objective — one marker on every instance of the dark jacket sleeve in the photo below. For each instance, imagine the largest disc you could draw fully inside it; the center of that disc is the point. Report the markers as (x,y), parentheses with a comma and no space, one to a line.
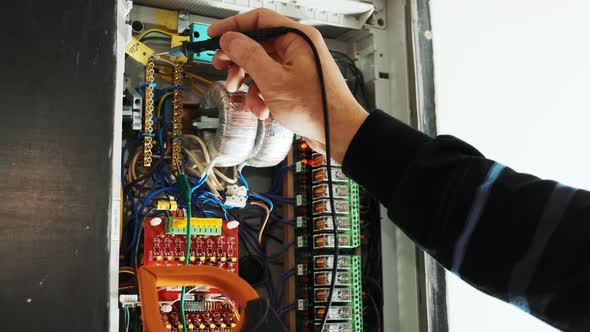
(512,235)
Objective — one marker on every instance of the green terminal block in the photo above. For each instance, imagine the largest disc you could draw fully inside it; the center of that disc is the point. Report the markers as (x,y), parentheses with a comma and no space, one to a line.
(355,215)
(300,167)
(199,226)
(357,294)
(301,222)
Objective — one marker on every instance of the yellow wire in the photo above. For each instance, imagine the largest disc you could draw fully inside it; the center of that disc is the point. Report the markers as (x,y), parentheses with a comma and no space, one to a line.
(200,78)
(124,271)
(164,70)
(162,99)
(196,87)
(143,34)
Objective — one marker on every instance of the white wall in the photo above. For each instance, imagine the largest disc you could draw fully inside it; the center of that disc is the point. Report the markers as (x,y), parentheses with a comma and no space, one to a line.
(513,79)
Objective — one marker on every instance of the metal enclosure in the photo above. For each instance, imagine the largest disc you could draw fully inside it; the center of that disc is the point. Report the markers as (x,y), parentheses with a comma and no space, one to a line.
(61,166)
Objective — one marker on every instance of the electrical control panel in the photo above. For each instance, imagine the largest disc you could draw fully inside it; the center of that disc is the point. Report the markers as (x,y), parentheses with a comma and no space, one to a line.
(163,247)
(188,203)
(315,251)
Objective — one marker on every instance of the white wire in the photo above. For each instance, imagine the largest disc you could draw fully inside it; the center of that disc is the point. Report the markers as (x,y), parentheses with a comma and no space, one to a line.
(128,319)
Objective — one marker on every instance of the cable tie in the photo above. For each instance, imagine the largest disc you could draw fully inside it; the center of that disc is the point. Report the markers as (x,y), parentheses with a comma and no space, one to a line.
(148,134)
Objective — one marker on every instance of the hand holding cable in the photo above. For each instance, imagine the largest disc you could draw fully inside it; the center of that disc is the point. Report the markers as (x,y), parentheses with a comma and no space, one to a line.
(285,77)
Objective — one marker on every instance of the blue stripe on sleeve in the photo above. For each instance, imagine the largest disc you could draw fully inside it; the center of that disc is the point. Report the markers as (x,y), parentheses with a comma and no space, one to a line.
(481,197)
(524,270)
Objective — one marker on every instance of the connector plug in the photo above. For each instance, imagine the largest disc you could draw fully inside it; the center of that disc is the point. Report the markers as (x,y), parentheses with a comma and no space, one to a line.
(235,201)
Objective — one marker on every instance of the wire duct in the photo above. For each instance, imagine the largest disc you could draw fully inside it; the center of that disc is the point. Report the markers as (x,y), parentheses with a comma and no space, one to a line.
(236,133)
(273,143)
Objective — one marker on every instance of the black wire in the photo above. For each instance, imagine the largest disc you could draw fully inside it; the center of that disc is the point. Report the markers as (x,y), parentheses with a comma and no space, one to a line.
(150,172)
(359,78)
(328,167)
(263,319)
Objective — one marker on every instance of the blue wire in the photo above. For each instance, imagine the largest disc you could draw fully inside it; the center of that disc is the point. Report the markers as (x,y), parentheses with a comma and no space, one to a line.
(280,284)
(283,221)
(161,140)
(287,200)
(199,183)
(264,199)
(243,180)
(149,197)
(123,181)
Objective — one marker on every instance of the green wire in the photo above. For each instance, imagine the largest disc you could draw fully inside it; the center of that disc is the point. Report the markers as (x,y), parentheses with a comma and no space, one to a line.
(186,260)
(155,38)
(159,33)
(186,193)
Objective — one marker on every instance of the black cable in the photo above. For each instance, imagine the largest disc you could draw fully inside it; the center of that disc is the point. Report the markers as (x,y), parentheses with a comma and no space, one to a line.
(359,77)
(261,35)
(328,167)
(150,172)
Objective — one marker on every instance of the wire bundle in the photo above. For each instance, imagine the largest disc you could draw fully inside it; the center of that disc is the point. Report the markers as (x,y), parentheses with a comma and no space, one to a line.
(237,128)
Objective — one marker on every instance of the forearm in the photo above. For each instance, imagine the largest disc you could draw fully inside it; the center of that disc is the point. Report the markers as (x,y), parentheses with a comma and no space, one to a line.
(512,235)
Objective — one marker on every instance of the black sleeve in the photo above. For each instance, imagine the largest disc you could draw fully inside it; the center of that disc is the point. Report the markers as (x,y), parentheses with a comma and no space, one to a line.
(512,235)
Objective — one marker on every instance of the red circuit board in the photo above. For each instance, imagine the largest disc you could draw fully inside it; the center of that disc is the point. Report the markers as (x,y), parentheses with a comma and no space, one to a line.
(163,249)
(201,314)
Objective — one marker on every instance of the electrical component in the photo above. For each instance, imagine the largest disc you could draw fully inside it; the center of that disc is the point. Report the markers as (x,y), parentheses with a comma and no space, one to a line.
(323,278)
(337,312)
(340,295)
(206,122)
(162,248)
(341,191)
(318,159)
(322,206)
(133,108)
(325,262)
(235,196)
(321,175)
(216,297)
(199,226)
(335,327)
(198,32)
(129,300)
(166,205)
(235,136)
(272,144)
(322,241)
(177,105)
(148,122)
(325,223)
(139,51)
(175,41)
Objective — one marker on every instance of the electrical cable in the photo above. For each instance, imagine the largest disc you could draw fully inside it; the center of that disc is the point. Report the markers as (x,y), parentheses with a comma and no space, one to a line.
(328,167)
(146,39)
(126,319)
(265,222)
(150,31)
(145,176)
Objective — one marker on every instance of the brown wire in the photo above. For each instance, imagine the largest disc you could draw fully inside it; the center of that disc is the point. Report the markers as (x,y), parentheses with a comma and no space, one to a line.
(266,217)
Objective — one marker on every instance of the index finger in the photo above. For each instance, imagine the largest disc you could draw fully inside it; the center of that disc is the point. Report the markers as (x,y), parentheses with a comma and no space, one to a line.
(255,19)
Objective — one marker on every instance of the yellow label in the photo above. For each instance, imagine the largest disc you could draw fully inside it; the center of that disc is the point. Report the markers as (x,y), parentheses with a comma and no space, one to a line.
(167,205)
(139,51)
(180,222)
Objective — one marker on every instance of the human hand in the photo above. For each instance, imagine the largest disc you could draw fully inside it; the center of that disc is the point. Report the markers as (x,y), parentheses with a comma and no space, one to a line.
(286,83)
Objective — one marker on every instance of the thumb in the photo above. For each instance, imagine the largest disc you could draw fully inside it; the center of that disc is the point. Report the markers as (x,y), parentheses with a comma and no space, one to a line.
(248,54)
